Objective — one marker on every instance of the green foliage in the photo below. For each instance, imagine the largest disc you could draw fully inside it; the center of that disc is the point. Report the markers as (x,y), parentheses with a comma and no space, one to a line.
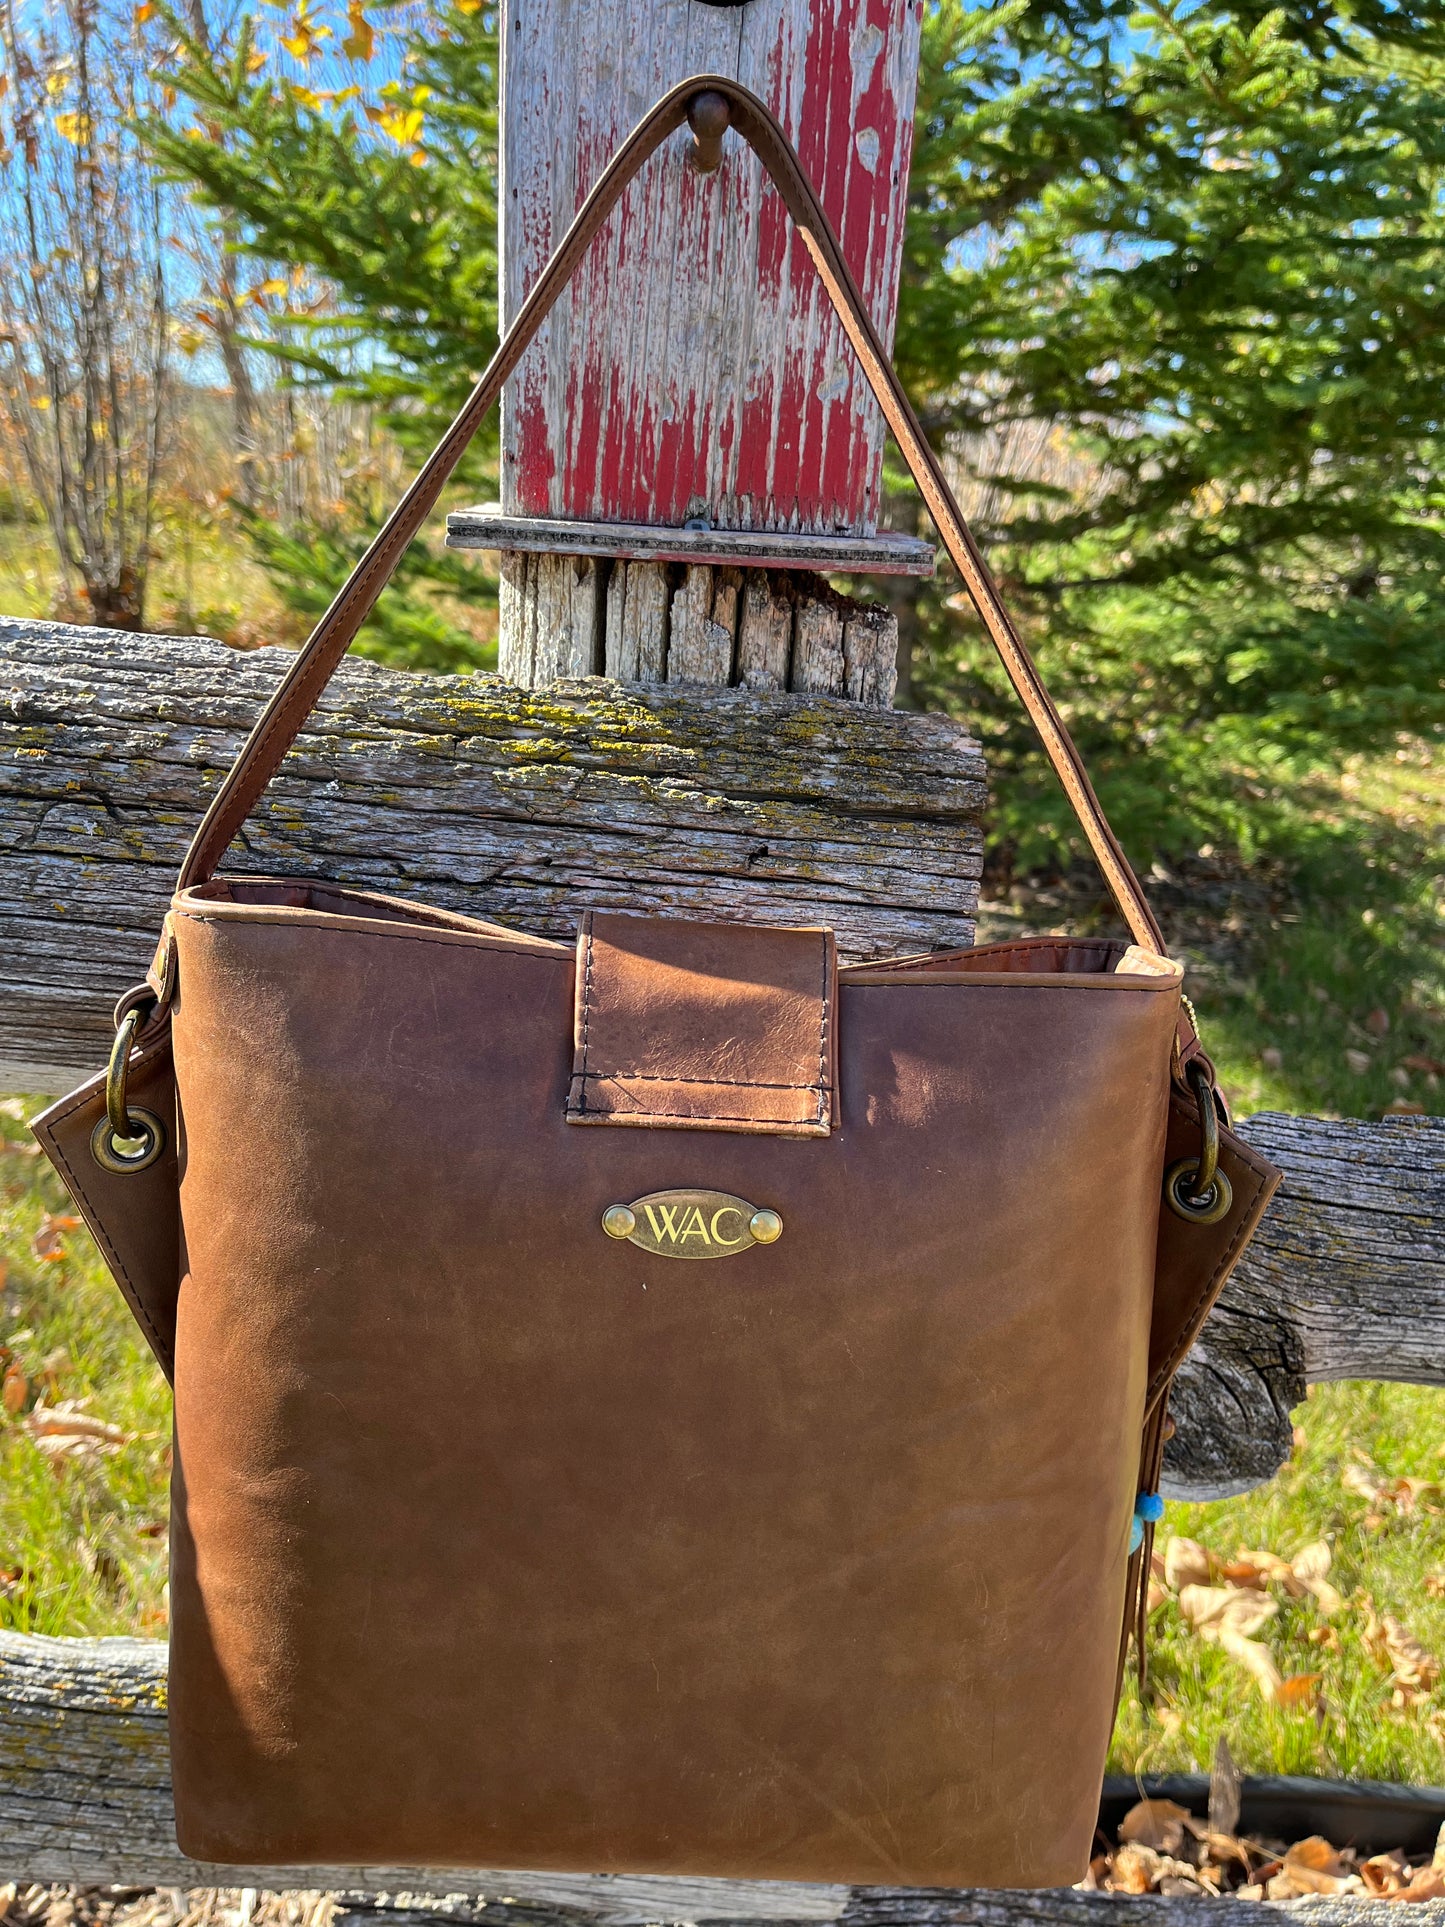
(1204,246)
(385,193)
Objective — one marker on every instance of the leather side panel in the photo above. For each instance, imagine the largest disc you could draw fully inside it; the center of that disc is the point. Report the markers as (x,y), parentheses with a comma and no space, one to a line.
(133,1216)
(1195,1260)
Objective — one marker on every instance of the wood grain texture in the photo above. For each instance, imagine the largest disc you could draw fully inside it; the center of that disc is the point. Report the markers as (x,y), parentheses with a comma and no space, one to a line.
(765,633)
(817,644)
(522,806)
(887,552)
(573,615)
(870,656)
(1345,1278)
(695,367)
(85,1800)
(703,630)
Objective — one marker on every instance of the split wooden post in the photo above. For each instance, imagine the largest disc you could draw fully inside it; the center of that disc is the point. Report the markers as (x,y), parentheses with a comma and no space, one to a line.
(689,448)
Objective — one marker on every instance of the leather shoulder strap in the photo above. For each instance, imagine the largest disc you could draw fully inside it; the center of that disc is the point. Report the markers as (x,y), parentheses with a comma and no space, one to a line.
(284,714)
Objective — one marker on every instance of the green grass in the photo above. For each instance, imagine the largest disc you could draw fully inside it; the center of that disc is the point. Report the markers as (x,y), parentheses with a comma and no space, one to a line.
(1346,1727)
(1333,960)
(82,1541)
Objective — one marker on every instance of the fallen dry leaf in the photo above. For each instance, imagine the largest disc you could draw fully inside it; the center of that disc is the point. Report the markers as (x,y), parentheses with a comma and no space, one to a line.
(1258,1569)
(1385,1873)
(1186,1563)
(1435,1585)
(1211,1608)
(1415,1671)
(1313,1866)
(15,1390)
(1258,1659)
(1300,1689)
(65,1431)
(1364,1482)
(48,1244)
(1310,1567)
(1133,1870)
(1159,1824)
(1426,1883)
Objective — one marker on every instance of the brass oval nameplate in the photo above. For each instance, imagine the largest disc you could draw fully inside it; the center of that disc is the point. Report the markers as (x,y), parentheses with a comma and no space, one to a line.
(692,1224)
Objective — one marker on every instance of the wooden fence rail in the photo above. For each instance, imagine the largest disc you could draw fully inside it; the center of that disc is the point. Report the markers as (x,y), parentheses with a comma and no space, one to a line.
(85,1800)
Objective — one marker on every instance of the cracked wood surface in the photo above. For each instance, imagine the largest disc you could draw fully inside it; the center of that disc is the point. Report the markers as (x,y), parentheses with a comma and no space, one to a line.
(1345,1278)
(517,805)
(85,1800)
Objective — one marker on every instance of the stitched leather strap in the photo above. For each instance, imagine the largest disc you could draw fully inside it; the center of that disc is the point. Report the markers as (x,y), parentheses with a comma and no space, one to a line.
(284,714)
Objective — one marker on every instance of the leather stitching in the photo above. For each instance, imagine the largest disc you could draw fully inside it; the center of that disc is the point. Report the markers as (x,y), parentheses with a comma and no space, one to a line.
(823,1039)
(581,1101)
(685,1077)
(94,1220)
(1161,1378)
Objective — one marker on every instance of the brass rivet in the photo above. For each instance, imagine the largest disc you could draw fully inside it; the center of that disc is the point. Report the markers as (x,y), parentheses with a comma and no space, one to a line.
(618,1221)
(766,1227)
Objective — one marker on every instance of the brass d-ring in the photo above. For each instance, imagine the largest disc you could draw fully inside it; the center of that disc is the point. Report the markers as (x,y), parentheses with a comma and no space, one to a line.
(121,1125)
(117,1071)
(1195,1188)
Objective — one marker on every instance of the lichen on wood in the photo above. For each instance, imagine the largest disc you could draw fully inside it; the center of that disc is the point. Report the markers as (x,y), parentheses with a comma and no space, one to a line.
(520,805)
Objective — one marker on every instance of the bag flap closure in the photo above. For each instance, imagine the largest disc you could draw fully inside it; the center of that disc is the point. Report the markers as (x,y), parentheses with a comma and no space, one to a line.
(704,1026)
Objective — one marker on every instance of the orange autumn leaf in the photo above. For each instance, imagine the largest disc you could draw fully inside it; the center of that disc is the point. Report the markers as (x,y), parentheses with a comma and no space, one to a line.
(48,1244)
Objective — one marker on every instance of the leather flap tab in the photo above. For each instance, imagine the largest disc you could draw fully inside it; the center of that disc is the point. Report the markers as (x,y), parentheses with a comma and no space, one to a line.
(704,1026)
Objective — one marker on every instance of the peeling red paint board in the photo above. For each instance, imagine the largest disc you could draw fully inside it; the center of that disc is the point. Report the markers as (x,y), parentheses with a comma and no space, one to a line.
(695,367)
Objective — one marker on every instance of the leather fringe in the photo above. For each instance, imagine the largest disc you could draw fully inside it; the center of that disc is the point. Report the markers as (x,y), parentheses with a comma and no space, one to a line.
(1136,1578)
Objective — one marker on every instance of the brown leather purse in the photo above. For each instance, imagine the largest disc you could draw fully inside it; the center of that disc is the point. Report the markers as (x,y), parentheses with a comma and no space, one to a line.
(502,1538)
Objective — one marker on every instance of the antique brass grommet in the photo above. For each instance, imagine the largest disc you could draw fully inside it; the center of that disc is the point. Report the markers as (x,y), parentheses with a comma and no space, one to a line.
(1205,1206)
(766,1227)
(144,1130)
(618,1221)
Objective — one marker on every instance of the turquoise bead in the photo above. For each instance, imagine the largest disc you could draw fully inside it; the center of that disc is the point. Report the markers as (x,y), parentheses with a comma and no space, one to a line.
(1136,1534)
(1149,1507)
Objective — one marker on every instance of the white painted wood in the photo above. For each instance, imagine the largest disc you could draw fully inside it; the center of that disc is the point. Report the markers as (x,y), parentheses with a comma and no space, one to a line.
(885,553)
(696,325)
